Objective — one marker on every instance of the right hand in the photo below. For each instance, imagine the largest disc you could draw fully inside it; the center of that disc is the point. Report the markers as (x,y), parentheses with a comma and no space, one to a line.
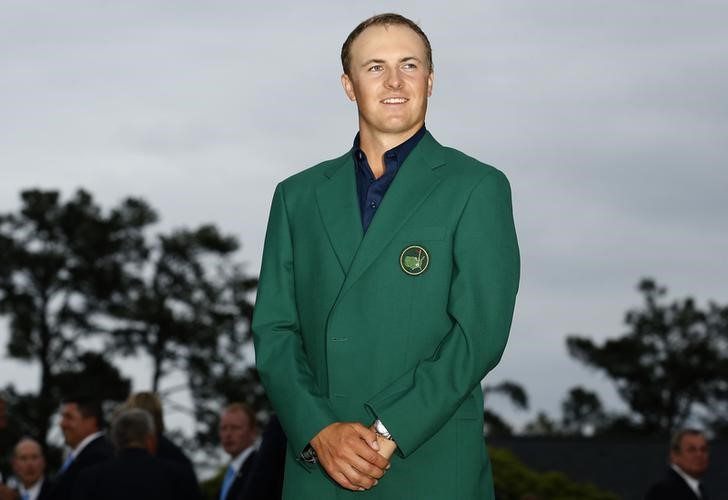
(348,452)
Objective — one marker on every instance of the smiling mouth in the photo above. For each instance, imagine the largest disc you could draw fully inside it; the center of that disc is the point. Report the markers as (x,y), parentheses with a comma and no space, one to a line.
(394,100)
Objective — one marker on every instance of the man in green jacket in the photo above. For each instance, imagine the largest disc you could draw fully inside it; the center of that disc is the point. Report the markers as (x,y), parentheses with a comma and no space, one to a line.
(386,294)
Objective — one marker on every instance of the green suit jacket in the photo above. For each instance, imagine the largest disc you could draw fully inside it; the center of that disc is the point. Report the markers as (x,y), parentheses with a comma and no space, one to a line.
(343,333)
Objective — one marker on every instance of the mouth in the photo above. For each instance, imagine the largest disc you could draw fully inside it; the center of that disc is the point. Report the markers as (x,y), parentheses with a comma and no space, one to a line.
(394,100)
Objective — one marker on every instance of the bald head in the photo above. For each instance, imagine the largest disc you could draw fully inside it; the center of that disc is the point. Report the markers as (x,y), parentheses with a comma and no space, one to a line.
(28,462)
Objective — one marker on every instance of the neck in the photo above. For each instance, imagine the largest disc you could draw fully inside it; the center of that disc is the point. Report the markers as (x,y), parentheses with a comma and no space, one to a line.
(28,486)
(376,144)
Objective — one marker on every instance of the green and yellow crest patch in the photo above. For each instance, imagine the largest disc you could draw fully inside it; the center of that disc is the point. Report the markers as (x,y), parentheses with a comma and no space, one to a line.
(414,260)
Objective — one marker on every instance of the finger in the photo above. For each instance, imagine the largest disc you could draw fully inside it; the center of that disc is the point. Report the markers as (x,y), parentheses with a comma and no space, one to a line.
(368,435)
(341,478)
(342,472)
(358,478)
(366,468)
(373,457)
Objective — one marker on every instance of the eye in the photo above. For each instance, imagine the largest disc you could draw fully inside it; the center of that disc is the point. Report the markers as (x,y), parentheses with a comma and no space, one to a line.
(375,68)
(409,66)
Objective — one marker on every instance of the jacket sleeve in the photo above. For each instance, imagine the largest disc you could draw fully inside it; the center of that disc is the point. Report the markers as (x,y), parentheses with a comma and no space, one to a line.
(480,302)
(280,357)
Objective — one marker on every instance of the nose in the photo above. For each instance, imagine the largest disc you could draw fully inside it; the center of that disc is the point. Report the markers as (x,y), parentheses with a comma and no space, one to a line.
(394,79)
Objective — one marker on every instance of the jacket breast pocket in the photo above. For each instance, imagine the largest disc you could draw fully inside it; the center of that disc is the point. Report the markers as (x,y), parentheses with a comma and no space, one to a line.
(419,234)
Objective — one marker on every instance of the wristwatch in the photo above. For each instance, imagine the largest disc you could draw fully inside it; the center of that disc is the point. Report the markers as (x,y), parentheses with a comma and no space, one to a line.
(381,430)
(308,455)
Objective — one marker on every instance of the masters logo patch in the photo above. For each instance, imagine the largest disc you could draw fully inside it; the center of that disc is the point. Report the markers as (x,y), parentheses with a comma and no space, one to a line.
(414,260)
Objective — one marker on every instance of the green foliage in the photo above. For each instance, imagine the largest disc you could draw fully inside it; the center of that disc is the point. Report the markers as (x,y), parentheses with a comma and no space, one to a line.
(672,364)
(514,481)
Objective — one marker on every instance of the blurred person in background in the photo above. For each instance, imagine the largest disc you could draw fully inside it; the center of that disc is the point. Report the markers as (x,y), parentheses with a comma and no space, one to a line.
(166,449)
(689,460)
(238,432)
(135,473)
(266,475)
(82,424)
(29,469)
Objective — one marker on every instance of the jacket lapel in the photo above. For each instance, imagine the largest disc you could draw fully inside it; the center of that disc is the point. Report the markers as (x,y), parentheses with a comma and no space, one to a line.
(337,203)
(412,185)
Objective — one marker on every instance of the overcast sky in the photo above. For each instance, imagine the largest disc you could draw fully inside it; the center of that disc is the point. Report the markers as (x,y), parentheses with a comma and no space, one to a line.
(610,119)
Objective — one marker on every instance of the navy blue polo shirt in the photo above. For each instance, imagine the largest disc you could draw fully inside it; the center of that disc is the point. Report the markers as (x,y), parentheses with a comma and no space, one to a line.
(371,191)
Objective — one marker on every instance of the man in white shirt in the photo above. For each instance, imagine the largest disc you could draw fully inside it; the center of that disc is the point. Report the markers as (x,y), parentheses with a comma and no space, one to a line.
(29,468)
(689,461)
(238,432)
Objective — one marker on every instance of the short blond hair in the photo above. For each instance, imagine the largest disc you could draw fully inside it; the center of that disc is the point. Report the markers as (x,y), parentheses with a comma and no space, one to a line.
(150,402)
(252,418)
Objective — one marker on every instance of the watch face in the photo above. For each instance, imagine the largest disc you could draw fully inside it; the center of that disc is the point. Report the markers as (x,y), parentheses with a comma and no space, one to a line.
(379,427)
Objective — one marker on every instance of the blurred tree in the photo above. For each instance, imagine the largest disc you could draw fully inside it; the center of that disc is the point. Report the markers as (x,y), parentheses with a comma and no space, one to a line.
(542,425)
(10,429)
(495,425)
(185,301)
(670,365)
(188,308)
(61,264)
(582,412)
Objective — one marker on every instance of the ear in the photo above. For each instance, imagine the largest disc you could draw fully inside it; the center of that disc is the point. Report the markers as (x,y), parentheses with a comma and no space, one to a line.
(348,87)
(430,80)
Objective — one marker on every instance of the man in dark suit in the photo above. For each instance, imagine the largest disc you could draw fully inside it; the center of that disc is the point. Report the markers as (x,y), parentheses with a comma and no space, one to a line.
(82,424)
(266,475)
(166,449)
(688,463)
(238,432)
(135,473)
(29,468)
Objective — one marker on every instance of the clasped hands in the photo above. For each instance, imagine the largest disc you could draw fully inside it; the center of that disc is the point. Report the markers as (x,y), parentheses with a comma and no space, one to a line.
(353,455)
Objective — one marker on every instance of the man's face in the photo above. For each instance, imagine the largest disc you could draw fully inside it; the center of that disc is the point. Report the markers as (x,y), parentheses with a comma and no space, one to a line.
(236,432)
(692,457)
(75,426)
(390,80)
(28,462)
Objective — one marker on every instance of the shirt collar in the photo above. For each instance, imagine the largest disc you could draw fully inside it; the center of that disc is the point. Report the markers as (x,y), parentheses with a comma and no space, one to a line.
(83,444)
(399,152)
(692,482)
(34,490)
